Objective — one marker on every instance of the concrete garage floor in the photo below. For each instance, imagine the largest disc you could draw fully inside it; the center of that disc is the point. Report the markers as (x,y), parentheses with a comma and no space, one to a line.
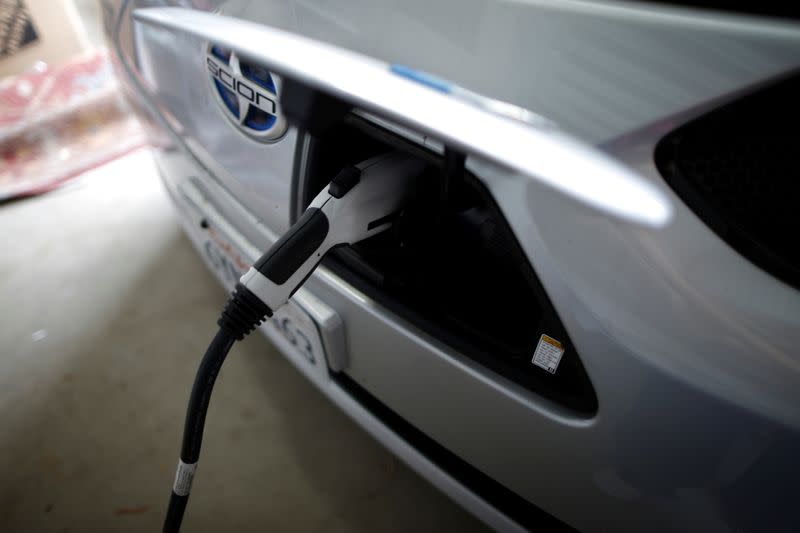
(106,310)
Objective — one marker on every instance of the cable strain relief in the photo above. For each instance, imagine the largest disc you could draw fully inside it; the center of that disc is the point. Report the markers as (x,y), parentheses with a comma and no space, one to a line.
(243,312)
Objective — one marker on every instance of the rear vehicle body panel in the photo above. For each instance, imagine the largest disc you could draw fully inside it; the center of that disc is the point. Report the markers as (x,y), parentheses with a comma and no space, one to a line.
(691,348)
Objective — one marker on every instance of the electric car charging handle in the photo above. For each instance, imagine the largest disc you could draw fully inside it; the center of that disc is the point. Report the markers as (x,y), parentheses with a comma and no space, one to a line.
(360,202)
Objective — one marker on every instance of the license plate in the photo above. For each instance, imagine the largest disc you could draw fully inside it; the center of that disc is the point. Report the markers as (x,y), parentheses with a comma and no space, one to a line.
(299,332)
(226,261)
(291,322)
(305,329)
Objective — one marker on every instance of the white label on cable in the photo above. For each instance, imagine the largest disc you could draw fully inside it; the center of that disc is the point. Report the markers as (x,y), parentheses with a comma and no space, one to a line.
(183,478)
(548,353)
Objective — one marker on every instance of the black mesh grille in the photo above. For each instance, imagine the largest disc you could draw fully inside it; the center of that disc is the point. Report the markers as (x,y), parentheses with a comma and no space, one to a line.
(765,8)
(738,168)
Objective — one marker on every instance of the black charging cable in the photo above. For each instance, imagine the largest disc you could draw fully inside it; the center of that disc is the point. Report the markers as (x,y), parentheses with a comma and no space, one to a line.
(243,312)
(361,201)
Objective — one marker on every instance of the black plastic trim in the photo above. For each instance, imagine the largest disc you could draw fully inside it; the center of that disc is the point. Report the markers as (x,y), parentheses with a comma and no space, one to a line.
(243,312)
(345,180)
(764,8)
(294,247)
(308,109)
(383,220)
(760,130)
(511,504)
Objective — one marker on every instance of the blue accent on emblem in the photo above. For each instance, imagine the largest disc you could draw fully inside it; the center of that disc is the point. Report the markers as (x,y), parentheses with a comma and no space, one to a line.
(259,120)
(254,119)
(423,78)
(221,54)
(231,102)
(258,75)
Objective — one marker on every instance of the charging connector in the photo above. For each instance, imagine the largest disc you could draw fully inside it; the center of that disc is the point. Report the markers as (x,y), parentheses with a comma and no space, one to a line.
(361,201)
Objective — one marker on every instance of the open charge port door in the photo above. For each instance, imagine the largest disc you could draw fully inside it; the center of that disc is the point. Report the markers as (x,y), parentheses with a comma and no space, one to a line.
(450,264)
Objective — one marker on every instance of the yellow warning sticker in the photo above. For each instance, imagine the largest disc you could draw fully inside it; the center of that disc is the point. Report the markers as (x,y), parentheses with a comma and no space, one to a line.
(548,353)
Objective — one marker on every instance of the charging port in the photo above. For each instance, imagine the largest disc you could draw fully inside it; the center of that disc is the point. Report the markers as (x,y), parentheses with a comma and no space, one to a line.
(451,240)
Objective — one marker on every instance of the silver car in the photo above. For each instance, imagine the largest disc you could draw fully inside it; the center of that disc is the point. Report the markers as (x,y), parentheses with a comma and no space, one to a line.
(589,315)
